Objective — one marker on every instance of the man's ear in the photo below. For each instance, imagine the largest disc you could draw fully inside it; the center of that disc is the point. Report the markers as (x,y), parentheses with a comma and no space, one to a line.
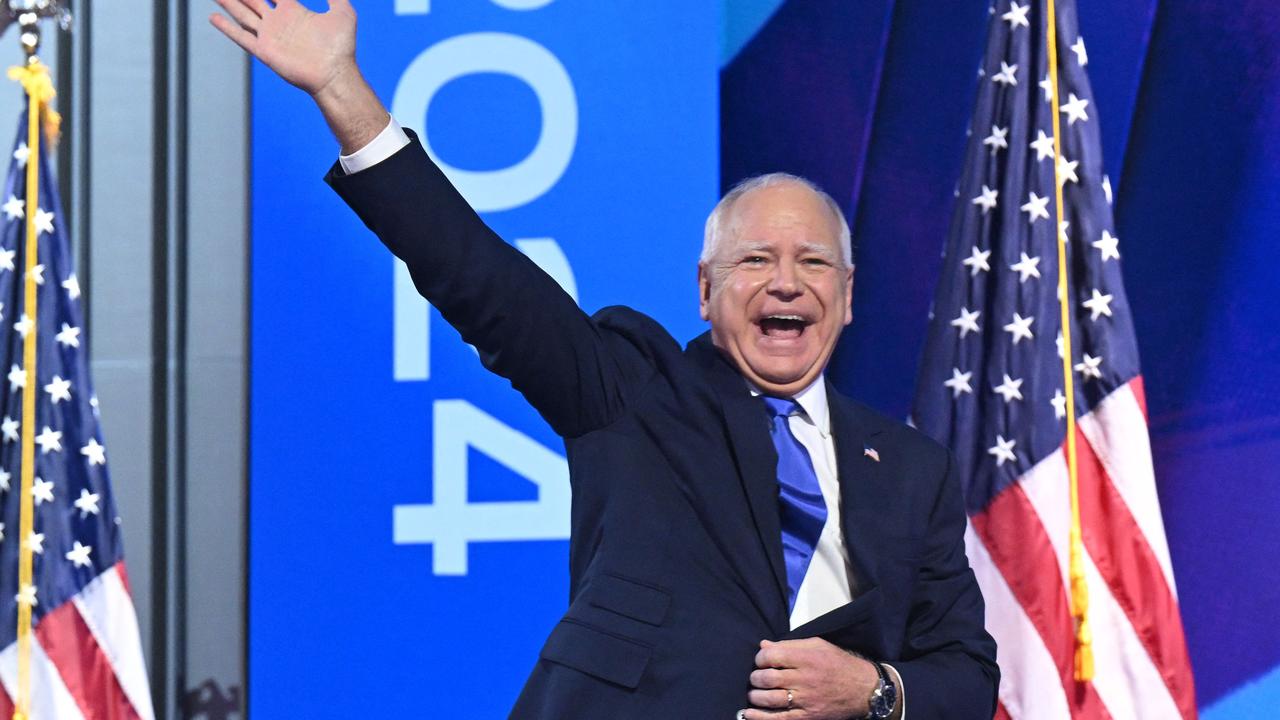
(704,291)
(848,296)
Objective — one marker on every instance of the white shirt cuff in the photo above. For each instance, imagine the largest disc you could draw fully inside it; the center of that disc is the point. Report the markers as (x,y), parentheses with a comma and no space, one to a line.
(902,697)
(386,144)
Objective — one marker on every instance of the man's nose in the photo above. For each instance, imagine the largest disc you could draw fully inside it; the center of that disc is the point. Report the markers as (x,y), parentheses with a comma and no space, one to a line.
(785,282)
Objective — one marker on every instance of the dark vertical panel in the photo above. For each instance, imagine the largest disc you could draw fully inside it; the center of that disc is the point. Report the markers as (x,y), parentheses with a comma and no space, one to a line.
(161,521)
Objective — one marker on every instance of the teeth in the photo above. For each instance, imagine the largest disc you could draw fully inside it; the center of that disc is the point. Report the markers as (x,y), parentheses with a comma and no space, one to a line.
(786,317)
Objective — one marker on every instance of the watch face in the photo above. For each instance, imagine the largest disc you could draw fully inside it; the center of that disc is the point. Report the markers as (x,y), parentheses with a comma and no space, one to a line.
(882,700)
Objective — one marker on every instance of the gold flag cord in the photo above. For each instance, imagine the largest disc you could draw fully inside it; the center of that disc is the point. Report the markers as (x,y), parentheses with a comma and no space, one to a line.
(35,80)
(1079,587)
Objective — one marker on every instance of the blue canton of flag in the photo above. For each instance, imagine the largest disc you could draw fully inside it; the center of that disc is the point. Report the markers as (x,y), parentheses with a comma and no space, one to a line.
(991,387)
(86,658)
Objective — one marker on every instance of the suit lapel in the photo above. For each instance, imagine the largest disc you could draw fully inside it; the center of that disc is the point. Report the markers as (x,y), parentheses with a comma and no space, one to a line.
(864,482)
(748,428)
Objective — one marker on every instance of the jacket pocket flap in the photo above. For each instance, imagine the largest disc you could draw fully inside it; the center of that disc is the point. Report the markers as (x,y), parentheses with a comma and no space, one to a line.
(597,653)
(627,597)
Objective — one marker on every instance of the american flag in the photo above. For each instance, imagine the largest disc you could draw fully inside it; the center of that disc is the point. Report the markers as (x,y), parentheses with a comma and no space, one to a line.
(86,657)
(991,387)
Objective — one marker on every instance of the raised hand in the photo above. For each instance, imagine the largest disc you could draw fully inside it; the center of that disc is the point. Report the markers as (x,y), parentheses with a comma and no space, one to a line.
(309,50)
(312,51)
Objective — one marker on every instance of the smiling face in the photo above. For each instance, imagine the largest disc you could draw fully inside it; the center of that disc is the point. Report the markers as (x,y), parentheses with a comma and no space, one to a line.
(777,290)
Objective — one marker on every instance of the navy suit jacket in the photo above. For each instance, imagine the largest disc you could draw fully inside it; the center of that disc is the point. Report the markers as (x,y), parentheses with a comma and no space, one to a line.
(676,566)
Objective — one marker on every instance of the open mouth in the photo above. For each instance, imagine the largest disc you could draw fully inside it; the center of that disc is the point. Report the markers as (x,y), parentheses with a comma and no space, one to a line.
(782,327)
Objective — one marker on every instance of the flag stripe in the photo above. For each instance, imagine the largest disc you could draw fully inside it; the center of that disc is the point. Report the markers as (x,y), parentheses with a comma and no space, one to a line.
(1126,679)
(84,668)
(1133,575)
(1017,543)
(107,611)
(6,703)
(1029,676)
(49,695)
(1117,431)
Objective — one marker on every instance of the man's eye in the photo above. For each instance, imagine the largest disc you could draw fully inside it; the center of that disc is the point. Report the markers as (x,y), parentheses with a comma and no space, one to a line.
(753,259)
(816,262)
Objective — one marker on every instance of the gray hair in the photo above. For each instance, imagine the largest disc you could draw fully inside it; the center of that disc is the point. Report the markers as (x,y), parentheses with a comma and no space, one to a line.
(718,219)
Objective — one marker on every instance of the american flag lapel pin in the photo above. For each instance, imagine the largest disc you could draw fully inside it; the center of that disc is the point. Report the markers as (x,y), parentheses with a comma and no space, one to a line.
(871,453)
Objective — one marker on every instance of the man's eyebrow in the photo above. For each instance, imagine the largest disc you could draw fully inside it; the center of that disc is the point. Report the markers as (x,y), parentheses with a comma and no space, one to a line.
(818,249)
(754,246)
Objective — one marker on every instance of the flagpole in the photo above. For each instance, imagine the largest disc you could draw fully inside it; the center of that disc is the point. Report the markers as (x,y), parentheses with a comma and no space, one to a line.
(34,77)
(1079,586)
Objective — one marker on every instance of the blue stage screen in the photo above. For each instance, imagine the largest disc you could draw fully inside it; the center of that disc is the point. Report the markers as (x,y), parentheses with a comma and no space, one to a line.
(408,511)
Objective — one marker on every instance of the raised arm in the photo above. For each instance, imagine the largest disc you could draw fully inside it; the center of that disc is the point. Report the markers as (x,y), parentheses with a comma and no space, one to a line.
(315,52)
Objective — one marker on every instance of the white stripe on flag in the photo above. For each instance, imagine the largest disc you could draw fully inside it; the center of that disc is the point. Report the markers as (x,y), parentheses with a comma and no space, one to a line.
(107,609)
(50,698)
(1028,676)
(1125,677)
(1117,431)
(1048,489)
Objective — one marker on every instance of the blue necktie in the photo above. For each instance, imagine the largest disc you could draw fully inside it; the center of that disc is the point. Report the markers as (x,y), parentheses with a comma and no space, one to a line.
(803,510)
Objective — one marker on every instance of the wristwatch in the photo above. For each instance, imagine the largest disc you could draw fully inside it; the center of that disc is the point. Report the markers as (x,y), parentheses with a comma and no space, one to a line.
(883,697)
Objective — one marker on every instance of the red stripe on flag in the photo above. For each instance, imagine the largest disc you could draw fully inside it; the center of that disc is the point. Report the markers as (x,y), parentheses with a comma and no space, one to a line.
(124,577)
(85,669)
(1022,552)
(1001,713)
(1129,567)
(6,704)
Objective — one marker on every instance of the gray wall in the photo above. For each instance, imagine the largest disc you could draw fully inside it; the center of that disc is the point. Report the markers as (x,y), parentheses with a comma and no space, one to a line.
(154,170)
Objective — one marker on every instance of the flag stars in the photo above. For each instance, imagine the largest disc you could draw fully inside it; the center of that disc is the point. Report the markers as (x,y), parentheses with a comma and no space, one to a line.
(58,389)
(37,273)
(1003,450)
(987,199)
(49,440)
(1075,109)
(72,286)
(1047,86)
(4,480)
(1036,207)
(1060,343)
(42,491)
(1106,188)
(96,453)
(1020,328)
(1010,389)
(26,596)
(1067,171)
(977,262)
(17,378)
(967,322)
(13,208)
(1043,145)
(44,221)
(23,326)
(1007,75)
(6,259)
(1062,229)
(1089,366)
(1027,267)
(1082,57)
(1017,15)
(997,139)
(959,382)
(35,542)
(68,336)
(9,427)
(87,503)
(21,154)
(1098,305)
(1059,403)
(1108,245)
(79,554)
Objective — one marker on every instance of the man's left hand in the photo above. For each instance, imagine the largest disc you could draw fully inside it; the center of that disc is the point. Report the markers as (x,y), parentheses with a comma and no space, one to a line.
(824,682)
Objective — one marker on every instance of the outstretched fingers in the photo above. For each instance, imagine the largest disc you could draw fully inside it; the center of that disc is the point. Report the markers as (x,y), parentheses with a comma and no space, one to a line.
(245,39)
(244,13)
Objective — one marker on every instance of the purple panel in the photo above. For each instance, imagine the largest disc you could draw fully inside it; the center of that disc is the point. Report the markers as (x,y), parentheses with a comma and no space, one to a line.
(800,95)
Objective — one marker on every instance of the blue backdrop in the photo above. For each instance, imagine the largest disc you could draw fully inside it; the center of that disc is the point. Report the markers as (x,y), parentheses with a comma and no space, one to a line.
(364,403)
(408,510)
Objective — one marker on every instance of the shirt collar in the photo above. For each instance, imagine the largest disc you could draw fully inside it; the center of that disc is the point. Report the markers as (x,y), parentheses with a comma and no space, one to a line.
(813,401)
